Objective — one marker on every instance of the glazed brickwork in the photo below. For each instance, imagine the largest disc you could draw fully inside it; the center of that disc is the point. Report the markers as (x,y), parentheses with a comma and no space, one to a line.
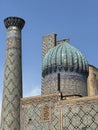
(61,41)
(60,106)
(50,84)
(74,114)
(70,84)
(73,84)
(93,81)
(32,113)
(12,91)
(59,57)
(49,42)
(79,114)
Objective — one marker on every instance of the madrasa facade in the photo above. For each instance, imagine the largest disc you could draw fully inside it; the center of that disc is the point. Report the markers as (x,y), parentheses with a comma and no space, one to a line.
(69,89)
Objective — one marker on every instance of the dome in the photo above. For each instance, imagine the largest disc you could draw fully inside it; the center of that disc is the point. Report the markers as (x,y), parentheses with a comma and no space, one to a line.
(64,57)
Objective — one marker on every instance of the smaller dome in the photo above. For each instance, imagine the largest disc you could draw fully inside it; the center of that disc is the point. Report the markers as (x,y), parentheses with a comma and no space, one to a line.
(64,57)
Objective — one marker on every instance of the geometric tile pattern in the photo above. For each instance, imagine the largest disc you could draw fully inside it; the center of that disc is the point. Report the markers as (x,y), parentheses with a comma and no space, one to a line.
(65,58)
(49,42)
(71,83)
(80,117)
(12,91)
(31,114)
(65,114)
(50,84)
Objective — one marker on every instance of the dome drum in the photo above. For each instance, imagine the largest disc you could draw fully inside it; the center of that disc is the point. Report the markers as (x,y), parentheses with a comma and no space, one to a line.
(71,83)
(72,67)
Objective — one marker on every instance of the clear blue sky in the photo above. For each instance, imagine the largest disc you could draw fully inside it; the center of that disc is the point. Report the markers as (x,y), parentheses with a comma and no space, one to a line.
(74,19)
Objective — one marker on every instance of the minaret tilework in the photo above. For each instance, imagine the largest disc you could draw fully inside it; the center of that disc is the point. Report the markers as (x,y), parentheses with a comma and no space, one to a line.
(12,91)
(66,103)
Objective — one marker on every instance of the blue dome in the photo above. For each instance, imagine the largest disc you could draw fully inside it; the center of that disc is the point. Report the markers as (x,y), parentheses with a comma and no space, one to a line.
(64,57)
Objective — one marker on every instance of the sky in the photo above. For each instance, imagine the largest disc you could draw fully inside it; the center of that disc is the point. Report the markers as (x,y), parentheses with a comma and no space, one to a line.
(74,19)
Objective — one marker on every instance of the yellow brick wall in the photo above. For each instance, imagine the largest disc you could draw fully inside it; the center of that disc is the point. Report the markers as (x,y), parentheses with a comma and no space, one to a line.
(92,81)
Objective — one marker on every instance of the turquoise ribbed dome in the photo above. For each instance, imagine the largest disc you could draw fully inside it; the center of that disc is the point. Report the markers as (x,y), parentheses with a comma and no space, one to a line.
(64,57)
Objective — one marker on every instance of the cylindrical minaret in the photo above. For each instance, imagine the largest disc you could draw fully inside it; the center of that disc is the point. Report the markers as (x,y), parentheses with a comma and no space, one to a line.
(12,91)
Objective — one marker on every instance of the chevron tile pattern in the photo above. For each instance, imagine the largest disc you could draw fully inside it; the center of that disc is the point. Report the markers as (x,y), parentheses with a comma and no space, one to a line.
(12,82)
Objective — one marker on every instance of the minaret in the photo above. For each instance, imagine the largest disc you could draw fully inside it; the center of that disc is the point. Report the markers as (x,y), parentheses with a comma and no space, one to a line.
(12,91)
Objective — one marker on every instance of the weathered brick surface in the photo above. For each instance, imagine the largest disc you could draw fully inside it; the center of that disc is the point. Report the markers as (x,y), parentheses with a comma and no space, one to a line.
(93,81)
(49,42)
(32,116)
(64,114)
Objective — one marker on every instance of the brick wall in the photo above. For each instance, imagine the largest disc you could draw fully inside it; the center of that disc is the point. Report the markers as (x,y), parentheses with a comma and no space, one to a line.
(93,81)
(74,114)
